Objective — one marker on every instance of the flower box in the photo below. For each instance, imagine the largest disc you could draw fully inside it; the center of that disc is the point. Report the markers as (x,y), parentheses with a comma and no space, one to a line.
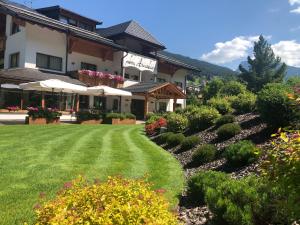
(41,121)
(120,122)
(90,122)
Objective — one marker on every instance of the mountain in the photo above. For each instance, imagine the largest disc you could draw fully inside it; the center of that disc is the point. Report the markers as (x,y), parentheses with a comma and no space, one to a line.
(290,71)
(207,69)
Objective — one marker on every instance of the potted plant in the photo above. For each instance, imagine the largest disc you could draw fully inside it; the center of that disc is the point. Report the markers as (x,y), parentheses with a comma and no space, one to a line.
(88,117)
(120,118)
(41,116)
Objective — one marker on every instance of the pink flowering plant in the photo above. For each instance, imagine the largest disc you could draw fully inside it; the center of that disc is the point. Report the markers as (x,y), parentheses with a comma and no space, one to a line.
(48,113)
(13,108)
(102,75)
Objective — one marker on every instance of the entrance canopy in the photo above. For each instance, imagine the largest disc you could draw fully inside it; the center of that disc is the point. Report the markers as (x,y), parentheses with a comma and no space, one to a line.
(10,86)
(107,91)
(53,85)
(157,90)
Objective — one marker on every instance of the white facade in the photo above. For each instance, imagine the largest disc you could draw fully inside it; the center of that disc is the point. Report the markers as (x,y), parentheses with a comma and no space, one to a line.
(33,39)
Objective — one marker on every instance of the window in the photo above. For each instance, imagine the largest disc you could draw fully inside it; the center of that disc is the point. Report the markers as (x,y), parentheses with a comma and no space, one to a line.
(48,62)
(162,106)
(160,80)
(179,84)
(63,19)
(14,60)
(127,76)
(84,102)
(15,28)
(1,63)
(100,102)
(115,105)
(72,22)
(88,66)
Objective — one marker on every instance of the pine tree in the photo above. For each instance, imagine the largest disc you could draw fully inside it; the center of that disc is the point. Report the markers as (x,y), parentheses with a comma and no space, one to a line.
(264,68)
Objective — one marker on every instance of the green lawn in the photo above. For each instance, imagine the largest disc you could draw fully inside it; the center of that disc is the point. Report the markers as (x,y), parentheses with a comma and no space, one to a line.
(35,159)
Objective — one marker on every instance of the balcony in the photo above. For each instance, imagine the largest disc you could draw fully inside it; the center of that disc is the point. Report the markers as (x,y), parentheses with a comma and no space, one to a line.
(2,43)
(96,78)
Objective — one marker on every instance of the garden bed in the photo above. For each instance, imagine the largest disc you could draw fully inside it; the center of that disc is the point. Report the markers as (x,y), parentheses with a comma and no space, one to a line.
(41,121)
(120,121)
(90,122)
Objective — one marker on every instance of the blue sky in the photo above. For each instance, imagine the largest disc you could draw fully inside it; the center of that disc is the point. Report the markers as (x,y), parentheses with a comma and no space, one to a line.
(220,32)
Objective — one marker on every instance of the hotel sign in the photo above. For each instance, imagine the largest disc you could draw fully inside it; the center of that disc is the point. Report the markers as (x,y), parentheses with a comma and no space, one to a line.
(139,62)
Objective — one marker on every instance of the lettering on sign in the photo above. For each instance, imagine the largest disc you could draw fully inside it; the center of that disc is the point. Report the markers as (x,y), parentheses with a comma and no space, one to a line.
(140,62)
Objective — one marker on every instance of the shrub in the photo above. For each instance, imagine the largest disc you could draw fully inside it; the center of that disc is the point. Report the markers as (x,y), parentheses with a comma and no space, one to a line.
(177,123)
(117,201)
(204,154)
(47,113)
(229,130)
(87,115)
(221,104)
(163,138)
(198,184)
(129,116)
(225,119)
(115,116)
(213,88)
(275,107)
(151,118)
(189,142)
(232,201)
(233,88)
(175,139)
(203,118)
(244,103)
(241,153)
(293,81)
(154,127)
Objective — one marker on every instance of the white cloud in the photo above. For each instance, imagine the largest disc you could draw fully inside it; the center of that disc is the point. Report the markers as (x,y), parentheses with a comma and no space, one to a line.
(297,10)
(289,51)
(229,51)
(293,2)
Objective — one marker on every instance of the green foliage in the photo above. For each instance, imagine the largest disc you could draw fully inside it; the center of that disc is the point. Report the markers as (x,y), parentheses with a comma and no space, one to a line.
(229,130)
(212,88)
(152,117)
(232,88)
(88,115)
(48,113)
(117,201)
(293,81)
(225,119)
(231,201)
(162,139)
(241,153)
(198,184)
(244,103)
(121,116)
(177,122)
(264,68)
(175,139)
(275,107)
(204,154)
(203,118)
(221,104)
(189,142)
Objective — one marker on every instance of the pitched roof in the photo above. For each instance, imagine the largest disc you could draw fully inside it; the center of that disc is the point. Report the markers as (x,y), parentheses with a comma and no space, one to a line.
(25,13)
(131,28)
(23,75)
(57,7)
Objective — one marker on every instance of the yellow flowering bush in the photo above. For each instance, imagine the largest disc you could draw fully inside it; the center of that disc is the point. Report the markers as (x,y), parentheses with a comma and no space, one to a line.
(117,201)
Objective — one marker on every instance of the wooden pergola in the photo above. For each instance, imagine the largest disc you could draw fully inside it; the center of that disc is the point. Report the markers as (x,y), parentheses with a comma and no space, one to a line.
(158,91)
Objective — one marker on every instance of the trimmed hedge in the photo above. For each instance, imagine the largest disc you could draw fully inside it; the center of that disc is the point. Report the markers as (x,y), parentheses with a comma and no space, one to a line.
(204,154)
(203,118)
(229,130)
(233,88)
(224,120)
(241,153)
(175,139)
(176,122)
(189,143)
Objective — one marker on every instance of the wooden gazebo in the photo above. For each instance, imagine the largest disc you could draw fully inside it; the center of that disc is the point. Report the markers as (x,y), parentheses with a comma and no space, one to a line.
(157,91)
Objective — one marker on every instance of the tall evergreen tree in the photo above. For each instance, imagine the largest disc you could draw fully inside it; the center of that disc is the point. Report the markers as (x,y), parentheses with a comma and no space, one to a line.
(264,68)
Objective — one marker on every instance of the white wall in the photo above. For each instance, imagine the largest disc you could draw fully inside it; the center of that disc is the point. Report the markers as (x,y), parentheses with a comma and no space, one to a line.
(15,43)
(46,41)
(75,59)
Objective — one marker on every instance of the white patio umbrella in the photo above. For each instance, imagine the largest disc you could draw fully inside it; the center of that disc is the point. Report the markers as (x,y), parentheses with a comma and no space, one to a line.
(10,86)
(53,85)
(107,91)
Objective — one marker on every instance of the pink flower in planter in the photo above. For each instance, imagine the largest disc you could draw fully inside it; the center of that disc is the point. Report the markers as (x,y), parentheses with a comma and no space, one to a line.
(13,108)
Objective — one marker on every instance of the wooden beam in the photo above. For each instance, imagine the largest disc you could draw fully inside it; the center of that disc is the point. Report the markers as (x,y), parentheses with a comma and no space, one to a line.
(174,104)
(77,103)
(43,100)
(146,106)
(22,100)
